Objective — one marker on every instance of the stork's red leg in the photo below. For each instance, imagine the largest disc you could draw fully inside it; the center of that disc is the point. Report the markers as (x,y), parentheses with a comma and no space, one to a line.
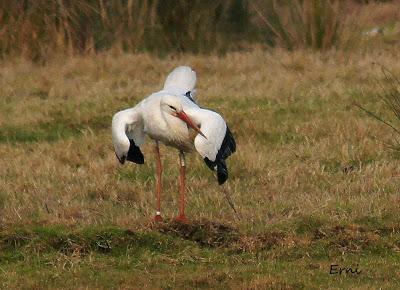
(158,217)
(182,189)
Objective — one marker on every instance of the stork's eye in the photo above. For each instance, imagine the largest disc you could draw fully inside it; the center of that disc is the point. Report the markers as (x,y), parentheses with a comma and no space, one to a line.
(173,108)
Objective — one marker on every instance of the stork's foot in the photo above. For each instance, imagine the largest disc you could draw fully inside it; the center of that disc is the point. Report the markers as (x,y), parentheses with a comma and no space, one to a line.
(182,219)
(158,218)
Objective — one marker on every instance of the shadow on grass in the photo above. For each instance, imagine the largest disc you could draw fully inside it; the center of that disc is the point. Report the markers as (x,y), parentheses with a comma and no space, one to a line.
(205,233)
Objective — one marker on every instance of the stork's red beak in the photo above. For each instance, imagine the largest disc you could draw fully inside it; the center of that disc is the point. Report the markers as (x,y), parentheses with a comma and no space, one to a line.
(185,118)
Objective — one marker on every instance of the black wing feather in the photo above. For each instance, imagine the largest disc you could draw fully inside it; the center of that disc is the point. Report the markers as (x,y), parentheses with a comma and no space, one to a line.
(228,145)
(134,153)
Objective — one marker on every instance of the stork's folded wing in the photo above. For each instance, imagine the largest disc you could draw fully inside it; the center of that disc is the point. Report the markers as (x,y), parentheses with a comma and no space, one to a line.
(219,144)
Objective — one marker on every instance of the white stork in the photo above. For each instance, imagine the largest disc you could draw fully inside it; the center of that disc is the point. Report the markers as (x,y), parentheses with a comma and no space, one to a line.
(167,116)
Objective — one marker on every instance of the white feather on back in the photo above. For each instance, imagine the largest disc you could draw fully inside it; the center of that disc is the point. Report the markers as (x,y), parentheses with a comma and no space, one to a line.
(182,78)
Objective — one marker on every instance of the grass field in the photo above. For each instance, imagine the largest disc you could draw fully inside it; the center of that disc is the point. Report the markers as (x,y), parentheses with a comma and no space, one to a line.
(312,180)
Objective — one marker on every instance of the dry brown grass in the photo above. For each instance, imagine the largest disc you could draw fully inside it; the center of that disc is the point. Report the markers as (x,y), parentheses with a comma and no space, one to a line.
(303,150)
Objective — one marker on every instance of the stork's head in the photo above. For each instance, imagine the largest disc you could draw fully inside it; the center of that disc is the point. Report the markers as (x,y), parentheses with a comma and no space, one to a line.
(172,105)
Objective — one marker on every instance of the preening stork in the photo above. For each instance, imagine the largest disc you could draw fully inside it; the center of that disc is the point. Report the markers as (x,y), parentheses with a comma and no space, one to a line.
(171,116)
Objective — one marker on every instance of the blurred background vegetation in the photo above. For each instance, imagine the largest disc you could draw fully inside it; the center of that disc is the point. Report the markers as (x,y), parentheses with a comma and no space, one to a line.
(37,29)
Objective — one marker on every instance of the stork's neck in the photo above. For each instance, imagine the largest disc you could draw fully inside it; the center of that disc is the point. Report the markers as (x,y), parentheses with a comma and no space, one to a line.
(197,115)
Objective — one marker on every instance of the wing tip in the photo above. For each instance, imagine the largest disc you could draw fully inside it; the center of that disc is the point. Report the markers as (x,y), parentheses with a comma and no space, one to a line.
(220,166)
(222,177)
(134,154)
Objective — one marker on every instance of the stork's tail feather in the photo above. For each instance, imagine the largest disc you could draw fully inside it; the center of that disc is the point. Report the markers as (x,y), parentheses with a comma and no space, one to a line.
(183,78)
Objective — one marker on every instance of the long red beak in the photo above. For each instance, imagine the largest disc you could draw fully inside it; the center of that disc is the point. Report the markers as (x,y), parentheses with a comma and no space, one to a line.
(185,118)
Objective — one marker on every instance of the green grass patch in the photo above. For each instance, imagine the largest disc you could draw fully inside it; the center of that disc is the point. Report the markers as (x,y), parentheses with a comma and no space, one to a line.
(174,255)
(49,132)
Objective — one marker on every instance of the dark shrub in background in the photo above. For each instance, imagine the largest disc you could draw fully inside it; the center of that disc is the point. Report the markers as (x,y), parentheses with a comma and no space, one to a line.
(37,28)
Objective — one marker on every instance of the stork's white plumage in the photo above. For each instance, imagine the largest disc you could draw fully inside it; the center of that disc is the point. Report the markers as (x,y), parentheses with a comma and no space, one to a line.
(168,116)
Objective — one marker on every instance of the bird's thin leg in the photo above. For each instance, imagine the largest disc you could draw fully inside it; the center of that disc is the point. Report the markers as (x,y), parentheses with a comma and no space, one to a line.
(159,169)
(182,188)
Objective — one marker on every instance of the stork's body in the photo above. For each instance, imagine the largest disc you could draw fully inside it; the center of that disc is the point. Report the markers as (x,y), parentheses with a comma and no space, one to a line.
(171,116)
(164,127)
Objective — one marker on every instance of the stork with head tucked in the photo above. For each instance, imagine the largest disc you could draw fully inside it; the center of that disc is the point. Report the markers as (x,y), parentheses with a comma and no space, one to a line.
(168,116)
